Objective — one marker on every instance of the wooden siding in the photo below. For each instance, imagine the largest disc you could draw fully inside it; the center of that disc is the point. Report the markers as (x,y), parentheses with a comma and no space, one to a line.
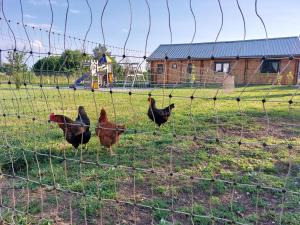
(244,71)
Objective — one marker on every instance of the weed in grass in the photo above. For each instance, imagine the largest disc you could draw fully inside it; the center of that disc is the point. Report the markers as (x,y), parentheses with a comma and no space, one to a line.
(201,220)
(229,211)
(10,218)
(159,205)
(164,222)
(139,178)
(47,222)
(51,199)
(292,201)
(249,219)
(290,218)
(215,200)
(200,210)
(34,207)
(162,190)
(91,205)
(219,188)
(258,201)
(270,180)
(204,186)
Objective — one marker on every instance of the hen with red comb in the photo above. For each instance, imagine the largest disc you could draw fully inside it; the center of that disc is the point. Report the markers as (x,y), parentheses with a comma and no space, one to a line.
(75,132)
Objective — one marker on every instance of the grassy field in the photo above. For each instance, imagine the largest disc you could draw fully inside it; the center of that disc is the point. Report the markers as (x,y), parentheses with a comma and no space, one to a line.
(47,80)
(215,162)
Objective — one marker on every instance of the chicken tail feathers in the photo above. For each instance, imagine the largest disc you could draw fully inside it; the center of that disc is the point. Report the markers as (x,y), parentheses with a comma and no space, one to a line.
(82,116)
(103,116)
(172,106)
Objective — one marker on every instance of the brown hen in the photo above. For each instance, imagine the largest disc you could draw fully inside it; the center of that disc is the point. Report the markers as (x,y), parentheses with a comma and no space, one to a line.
(108,133)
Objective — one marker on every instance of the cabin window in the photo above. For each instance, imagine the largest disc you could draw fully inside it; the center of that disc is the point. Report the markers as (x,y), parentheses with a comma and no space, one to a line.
(160,68)
(269,66)
(201,63)
(189,68)
(222,67)
(174,66)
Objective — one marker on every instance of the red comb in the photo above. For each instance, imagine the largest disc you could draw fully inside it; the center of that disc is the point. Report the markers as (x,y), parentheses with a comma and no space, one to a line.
(52,116)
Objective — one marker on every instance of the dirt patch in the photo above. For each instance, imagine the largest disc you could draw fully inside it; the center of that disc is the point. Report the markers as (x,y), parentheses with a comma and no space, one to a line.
(281,129)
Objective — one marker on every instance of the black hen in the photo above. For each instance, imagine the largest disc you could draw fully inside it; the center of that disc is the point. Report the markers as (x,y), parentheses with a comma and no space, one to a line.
(159,116)
(76,132)
(84,120)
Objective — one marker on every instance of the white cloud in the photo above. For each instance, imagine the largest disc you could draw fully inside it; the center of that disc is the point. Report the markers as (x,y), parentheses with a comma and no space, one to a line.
(74,11)
(45,2)
(28,16)
(40,25)
(125,30)
(36,44)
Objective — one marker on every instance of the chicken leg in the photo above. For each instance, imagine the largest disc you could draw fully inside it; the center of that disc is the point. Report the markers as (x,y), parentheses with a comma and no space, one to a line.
(111,151)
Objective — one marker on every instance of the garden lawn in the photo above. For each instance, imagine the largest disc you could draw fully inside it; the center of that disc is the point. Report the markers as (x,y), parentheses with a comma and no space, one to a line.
(231,158)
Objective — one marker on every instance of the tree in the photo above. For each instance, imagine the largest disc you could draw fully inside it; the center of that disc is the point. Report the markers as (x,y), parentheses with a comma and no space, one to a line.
(16,65)
(69,62)
(47,65)
(98,52)
(5,68)
(16,61)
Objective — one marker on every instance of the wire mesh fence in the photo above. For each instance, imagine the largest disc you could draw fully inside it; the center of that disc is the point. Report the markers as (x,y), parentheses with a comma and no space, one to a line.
(222,157)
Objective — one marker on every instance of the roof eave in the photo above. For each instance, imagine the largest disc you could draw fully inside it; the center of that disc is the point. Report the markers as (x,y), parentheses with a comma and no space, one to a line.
(224,57)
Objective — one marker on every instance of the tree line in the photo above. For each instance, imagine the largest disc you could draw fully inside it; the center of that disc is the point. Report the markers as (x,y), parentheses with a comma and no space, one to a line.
(69,62)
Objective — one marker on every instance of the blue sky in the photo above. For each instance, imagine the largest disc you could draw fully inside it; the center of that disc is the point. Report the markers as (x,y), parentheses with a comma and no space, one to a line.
(282,18)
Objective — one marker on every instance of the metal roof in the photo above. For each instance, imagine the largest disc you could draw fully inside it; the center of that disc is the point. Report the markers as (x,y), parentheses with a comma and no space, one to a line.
(272,47)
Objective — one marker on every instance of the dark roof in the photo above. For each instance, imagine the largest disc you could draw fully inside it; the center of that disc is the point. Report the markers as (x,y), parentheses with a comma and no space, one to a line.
(272,47)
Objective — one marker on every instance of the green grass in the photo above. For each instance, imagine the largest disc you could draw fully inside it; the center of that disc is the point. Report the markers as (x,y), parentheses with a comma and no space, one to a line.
(47,80)
(150,147)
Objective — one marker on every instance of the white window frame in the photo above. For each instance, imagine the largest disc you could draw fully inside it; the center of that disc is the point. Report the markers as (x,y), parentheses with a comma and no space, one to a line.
(222,67)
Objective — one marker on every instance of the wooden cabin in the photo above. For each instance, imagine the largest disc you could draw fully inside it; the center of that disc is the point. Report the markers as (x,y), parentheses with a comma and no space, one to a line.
(259,61)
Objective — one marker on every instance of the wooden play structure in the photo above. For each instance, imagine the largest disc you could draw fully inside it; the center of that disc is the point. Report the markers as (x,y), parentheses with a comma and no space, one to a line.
(100,73)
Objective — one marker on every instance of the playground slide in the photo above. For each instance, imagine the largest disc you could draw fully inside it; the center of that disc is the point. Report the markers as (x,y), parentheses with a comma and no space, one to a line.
(82,78)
